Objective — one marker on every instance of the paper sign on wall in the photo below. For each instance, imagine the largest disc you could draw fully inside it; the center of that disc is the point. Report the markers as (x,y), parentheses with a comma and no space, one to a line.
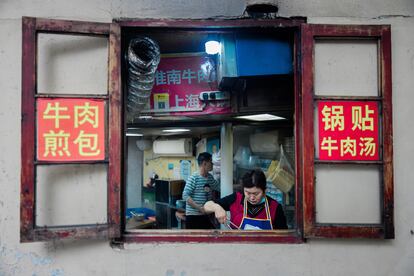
(348,130)
(179,80)
(70,129)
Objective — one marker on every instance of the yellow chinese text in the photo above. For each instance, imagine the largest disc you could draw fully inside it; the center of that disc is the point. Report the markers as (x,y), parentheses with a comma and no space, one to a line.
(367,146)
(362,121)
(53,111)
(348,146)
(56,143)
(88,144)
(86,113)
(329,145)
(333,117)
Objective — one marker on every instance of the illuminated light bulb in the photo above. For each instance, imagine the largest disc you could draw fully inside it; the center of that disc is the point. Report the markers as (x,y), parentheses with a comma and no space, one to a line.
(212,47)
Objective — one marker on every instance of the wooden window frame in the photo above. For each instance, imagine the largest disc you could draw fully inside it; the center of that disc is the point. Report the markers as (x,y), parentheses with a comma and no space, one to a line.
(28,230)
(304,149)
(382,33)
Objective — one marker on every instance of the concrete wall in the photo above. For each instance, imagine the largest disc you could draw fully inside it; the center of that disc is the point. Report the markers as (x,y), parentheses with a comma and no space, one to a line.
(315,257)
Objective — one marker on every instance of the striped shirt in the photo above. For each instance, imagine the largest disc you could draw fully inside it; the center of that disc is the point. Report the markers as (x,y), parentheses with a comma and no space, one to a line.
(195,188)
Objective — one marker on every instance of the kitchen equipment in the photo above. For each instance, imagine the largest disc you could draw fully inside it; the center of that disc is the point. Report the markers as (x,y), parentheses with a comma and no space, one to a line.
(180,203)
(168,191)
(138,216)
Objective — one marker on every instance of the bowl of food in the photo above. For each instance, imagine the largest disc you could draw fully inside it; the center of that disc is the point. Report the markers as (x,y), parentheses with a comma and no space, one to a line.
(138,216)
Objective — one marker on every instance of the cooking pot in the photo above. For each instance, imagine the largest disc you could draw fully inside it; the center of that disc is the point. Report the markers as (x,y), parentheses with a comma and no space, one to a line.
(138,216)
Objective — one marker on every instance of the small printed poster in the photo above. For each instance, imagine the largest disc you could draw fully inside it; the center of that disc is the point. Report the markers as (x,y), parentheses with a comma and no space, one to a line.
(185,169)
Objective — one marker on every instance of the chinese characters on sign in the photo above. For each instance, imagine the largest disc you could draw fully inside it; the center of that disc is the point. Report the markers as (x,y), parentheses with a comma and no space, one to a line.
(348,130)
(70,129)
(180,79)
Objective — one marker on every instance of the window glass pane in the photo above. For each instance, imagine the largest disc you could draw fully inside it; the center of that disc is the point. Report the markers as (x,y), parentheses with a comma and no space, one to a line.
(71,194)
(348,194)
(70,64)
(346,68)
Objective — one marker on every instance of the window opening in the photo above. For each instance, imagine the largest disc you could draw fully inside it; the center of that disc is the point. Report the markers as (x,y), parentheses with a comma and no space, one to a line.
(193,95)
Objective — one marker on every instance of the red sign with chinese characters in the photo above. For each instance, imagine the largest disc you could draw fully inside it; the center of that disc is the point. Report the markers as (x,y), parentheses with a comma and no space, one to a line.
(348,130)
(70,129)
(179,80)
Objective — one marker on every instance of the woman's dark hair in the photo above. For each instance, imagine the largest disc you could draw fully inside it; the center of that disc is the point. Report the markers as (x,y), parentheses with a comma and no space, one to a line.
(254,178)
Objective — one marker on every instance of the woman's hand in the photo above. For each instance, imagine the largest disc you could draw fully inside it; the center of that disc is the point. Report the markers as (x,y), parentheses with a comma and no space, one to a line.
(219,212)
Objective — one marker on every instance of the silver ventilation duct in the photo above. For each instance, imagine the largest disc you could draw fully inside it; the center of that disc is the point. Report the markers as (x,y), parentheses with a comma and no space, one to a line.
(143,57)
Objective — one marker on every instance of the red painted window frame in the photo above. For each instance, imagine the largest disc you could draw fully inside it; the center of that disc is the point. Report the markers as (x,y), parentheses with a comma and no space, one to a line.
(304,99)
(382,33)
(29,232)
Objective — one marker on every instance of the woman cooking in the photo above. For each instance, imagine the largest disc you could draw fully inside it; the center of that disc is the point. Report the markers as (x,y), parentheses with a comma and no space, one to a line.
(252,210)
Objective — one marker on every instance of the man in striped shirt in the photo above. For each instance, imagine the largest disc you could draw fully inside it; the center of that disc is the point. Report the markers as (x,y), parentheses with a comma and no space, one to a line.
(197,191)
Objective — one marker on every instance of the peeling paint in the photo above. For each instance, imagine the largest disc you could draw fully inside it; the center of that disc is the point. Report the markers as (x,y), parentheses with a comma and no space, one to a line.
(57,272)
(16,262)
(171,272)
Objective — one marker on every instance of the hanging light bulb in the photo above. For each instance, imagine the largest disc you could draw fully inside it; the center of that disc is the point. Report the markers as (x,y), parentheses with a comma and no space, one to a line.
(212,47)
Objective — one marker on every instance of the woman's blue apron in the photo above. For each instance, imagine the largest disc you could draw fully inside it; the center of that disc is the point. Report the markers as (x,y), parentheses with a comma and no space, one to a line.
(256,223)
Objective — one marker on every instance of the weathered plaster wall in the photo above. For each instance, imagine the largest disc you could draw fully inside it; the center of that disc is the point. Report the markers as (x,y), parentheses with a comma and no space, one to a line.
(315,257)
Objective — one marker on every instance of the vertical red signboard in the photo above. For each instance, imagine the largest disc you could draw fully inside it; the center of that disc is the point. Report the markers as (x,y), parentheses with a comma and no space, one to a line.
(70,129)
(348,130)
